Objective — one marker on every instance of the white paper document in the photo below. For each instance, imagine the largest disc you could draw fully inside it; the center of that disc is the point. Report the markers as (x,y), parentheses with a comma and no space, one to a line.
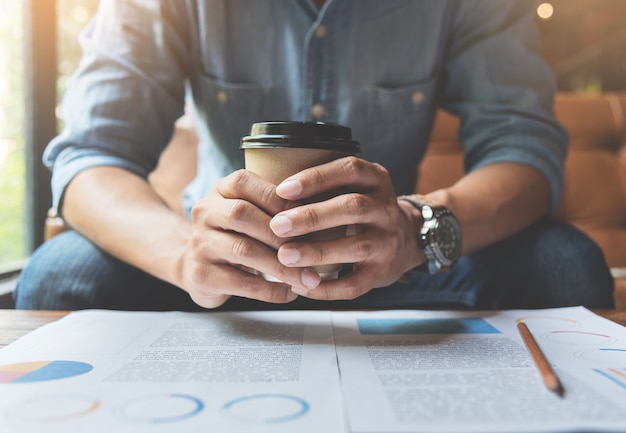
(98,371)
(298,372)
(416,371)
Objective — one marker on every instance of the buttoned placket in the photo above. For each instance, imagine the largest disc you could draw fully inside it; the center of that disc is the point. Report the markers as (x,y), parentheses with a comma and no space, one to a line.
(319,69)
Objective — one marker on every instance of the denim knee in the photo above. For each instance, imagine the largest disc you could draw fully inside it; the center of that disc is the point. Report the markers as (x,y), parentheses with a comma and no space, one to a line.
(59,274)
(575,271)
(69,272)
(559,266)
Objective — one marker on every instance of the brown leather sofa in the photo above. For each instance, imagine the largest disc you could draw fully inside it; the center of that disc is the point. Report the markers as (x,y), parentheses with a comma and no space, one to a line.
(595,186)
(594,199)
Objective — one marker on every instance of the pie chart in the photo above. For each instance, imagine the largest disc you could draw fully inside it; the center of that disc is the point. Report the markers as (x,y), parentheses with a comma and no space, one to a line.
(41,371)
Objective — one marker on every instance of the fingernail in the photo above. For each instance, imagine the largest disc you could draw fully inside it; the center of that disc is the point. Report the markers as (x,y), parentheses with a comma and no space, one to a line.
(292,296)
(310,279)
(290,188)
(289,256)
(281,225)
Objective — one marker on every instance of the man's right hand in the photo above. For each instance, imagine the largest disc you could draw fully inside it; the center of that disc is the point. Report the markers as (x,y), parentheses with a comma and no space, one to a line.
(230,237)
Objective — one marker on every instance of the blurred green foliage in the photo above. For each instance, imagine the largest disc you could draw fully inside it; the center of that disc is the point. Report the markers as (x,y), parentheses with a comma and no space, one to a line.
(12,161)
(72,17)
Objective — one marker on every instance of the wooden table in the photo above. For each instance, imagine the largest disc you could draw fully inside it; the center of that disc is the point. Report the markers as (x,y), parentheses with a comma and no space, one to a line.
(16,323)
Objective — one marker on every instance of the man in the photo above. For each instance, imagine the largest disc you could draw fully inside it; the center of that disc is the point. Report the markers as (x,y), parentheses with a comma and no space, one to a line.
(379,67)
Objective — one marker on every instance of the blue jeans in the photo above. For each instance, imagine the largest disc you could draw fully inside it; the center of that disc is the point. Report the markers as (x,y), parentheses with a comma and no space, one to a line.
(549,264)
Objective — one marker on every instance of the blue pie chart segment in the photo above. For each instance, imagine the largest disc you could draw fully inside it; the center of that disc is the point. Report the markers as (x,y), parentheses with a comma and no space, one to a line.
(42,371)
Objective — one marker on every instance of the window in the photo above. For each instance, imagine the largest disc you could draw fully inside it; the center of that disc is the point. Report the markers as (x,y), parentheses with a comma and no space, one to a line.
(28,96)
(13,238)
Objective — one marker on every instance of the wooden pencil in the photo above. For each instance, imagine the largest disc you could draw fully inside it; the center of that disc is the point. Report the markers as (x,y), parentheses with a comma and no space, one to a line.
(550,379)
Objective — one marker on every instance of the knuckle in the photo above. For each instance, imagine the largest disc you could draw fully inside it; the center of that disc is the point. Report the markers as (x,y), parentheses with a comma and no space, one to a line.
(352,165)
(198,274)
(250,283)
(352,291)
(243,248)
(357,204)
(380,169)
(220,184)
(316,177)
(239,179)
(238,211)
(322,254)
(196,240)
(239,176)
(197,210)
(310,218)
(267,194)
(363,250)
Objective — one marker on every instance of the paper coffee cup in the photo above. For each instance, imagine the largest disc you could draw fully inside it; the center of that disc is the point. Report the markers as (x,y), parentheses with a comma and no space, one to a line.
(277,150)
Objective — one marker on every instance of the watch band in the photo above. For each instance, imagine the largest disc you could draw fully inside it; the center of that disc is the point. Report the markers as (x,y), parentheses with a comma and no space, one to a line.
(422,267)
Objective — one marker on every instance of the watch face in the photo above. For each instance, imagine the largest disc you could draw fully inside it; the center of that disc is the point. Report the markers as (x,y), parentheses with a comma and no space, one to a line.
(448,238)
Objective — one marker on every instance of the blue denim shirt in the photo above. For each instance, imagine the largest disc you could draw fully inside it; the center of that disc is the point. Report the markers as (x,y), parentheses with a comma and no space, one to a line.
(379,67)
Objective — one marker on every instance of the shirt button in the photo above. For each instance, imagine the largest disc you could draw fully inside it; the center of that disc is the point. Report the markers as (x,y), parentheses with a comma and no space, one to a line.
(417,98)
(317,111)
(222,97)
(320,31)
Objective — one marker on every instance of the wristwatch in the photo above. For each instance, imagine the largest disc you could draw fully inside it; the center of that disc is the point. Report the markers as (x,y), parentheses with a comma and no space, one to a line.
(440,237)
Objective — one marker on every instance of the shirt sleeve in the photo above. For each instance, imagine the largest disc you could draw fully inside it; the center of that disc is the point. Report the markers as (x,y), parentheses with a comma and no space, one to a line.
(122,103)
(503,91)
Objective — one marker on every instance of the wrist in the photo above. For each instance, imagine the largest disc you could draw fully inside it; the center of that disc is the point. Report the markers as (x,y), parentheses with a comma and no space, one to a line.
(170,253)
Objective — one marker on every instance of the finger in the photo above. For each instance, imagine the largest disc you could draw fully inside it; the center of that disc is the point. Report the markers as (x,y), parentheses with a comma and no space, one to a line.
(349,249)
(350,171)
(241,250)
(350,287)
(212,283)
(342,210)
(245,185)
(243,217)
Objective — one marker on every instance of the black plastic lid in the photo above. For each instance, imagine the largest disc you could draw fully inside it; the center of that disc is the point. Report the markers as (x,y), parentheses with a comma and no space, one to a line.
(308,135)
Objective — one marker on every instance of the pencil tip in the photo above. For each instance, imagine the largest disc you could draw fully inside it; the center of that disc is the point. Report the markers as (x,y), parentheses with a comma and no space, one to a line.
(554,384)
(560,391)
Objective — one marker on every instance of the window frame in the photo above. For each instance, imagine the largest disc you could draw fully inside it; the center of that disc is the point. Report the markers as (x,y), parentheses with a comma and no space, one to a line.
(40,126)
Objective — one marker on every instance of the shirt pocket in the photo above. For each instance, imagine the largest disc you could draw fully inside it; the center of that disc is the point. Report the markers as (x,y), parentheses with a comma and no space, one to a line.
(401,117)
(229,108)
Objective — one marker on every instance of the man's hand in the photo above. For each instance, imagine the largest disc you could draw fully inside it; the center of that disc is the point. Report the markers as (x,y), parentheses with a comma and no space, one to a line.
(381,250)
(231,236)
